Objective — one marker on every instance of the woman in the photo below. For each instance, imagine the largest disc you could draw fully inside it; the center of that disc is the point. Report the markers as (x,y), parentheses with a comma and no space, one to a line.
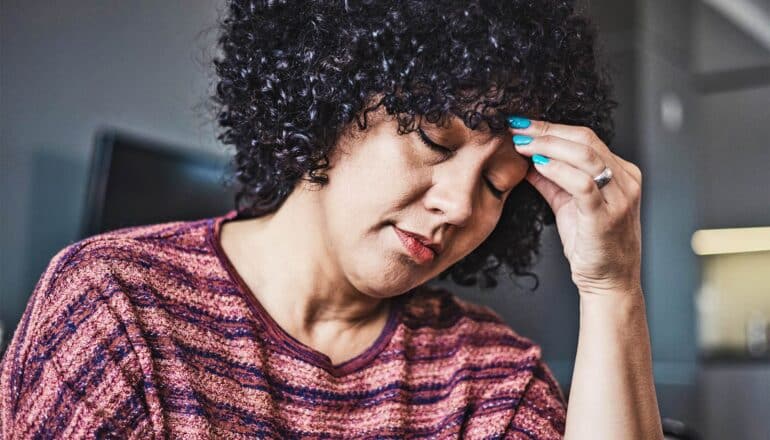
(378,146)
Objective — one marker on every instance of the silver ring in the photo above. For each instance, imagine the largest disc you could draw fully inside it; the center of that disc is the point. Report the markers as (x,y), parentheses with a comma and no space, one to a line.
(603,178)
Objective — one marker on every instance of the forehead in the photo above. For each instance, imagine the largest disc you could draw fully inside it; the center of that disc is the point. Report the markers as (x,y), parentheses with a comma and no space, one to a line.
(455,129)
(495,145)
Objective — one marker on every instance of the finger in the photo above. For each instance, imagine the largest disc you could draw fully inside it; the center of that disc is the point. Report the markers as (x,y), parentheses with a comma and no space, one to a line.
(554,195)
(580,135)
(577,183)
(577,134)
(633,171)
(574,133)
(580,156)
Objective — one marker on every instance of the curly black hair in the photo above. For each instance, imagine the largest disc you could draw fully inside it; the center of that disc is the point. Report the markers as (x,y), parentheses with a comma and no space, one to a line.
(292,75)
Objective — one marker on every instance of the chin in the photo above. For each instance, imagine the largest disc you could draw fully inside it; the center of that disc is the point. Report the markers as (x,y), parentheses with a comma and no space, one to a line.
(385,270)
(384,283)
(378,287)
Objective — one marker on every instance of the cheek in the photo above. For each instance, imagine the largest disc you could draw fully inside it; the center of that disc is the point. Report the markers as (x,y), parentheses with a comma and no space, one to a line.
(471,238)
(388,178)
(485,225)
(365,187)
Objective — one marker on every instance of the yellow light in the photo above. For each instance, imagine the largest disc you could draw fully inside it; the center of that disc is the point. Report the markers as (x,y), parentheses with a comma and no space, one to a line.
(730,241)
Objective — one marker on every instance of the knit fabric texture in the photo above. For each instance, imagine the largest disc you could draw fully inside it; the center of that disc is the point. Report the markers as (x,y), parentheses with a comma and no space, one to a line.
(149,332)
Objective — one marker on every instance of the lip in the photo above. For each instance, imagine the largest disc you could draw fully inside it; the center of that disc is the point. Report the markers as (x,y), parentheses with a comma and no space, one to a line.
(413,243)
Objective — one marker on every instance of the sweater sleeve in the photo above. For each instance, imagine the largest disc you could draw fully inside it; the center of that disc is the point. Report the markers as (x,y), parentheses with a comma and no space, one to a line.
(542,410)
(70,370)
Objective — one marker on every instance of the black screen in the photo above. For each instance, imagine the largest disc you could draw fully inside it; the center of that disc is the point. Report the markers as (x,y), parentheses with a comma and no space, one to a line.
(135,181)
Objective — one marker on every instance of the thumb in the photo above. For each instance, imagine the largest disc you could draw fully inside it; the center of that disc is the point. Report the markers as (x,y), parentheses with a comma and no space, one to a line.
(551,192)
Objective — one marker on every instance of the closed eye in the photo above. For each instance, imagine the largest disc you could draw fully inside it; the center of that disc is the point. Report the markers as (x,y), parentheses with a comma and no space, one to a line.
(432,145)
(446,152)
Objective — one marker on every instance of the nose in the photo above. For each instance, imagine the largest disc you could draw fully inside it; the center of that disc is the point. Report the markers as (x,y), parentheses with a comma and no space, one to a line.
(452,196)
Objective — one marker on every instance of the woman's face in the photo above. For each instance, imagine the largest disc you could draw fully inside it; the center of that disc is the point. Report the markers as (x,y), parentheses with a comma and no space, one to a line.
(382,183)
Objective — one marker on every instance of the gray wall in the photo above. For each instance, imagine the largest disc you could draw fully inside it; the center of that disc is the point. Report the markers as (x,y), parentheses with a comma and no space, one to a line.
(732,148)
(68,68)
(731,73)
(670,269)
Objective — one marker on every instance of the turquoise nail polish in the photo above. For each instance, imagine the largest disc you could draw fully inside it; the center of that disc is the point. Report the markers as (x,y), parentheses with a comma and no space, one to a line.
(540,160)
(521,139)
(518,122)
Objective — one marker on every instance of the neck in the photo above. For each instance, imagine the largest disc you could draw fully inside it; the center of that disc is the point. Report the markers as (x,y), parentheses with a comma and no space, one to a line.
(290,267)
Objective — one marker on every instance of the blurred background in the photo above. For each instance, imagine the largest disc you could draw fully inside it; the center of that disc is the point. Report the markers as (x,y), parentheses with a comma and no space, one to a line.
(95,93)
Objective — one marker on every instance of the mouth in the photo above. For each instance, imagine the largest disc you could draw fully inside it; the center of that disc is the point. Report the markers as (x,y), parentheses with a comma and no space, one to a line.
(421,253)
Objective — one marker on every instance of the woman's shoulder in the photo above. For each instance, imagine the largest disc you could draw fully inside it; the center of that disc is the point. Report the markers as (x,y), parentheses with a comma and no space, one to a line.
(81,338)
(75,345)
(105,271)
(436,317)
(187,234)
(480,340)
(127,253)
(438,307)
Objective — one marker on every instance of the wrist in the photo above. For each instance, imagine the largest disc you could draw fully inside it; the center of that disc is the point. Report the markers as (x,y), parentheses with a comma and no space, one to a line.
(622,288)
(617,305)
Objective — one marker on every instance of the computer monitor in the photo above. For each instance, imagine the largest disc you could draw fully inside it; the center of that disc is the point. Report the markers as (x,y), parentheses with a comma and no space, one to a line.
(135,180)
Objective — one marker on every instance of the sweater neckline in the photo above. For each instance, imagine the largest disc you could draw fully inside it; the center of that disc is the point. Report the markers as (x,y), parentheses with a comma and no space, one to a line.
(281,336)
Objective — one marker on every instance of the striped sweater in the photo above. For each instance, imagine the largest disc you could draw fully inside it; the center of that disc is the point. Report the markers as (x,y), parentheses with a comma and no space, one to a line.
(149,332)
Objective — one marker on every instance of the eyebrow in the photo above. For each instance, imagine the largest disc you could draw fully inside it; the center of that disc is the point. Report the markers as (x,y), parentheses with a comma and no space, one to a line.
(451,131)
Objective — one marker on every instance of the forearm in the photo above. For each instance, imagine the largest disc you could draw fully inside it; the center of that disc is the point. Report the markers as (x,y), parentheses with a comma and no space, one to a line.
(612,395)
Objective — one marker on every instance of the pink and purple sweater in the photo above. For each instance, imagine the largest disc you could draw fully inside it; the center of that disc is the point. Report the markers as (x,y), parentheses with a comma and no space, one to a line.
(149,332)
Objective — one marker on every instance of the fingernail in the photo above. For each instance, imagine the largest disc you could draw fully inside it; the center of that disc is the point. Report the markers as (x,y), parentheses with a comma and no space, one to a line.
(521,139)
(540,160)
(518,122)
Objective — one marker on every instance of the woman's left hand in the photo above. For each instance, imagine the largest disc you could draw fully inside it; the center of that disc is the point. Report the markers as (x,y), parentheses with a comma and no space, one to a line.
(599,228)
